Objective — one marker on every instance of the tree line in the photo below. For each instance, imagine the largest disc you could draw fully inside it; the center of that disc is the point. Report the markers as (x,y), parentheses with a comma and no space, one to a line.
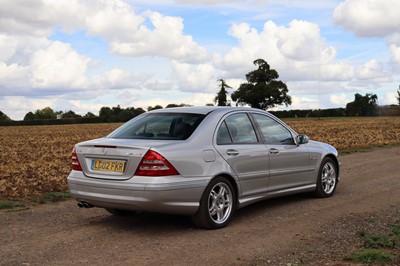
(262,90)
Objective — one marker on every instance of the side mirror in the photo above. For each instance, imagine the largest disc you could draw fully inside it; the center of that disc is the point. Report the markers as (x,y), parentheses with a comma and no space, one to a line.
(302,139)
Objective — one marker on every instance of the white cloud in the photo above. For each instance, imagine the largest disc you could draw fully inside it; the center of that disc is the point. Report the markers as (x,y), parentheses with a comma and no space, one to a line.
(395,50)
(39,17)
(200,78)
(339,100)
(115,79)
(166,39)
(58,66)
(389,98)
(297,52)
(13,76)
(252,3)
(16,107)
(301,41)
(394,46)
(304,103)
(152,60)
(369,18)
(127,33)
(373,71)
(195,99)
(113,20)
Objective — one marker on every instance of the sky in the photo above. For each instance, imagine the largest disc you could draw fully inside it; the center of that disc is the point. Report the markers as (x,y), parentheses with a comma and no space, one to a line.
(82,55)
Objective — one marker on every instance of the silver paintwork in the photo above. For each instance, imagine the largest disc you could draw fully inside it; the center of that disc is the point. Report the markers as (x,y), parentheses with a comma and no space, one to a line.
(257,171)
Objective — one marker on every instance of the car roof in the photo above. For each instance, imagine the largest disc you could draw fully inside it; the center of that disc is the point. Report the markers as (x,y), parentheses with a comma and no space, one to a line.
(202,109)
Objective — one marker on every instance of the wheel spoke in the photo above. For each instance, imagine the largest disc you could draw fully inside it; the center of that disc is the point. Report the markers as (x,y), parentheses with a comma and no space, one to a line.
(220,203)
(222,191)
(220,215)
(328,178)
(213,210)
(213,194)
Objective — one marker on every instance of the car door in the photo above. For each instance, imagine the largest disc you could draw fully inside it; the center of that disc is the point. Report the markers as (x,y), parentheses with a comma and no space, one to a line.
(289,163)
(239,145)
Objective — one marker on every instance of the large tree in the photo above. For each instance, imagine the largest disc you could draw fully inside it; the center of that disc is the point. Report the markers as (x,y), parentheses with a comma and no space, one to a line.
(398,95)
(70,114)
(45,113)
(4,117)
(262,90)
(363,105)
(221,98)
(151,108)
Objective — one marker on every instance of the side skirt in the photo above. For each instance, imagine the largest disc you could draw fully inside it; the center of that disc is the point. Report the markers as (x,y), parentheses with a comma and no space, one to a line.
(274,194)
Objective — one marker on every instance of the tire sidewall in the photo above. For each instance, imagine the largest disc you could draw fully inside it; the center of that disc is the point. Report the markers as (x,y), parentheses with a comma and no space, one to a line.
(202,218)
(320,190)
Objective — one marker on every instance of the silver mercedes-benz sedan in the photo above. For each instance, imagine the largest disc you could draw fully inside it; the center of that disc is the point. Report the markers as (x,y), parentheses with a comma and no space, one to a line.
(205,162)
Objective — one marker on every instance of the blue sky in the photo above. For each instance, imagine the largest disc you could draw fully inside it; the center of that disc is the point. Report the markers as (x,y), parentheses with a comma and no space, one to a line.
(82,55)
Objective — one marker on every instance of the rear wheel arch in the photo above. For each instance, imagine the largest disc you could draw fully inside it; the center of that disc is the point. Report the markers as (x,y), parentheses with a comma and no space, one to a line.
(218,203)
(234,184)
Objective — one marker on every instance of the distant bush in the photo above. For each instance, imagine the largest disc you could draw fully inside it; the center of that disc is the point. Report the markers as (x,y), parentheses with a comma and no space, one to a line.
(39,122)
(336,112)
(389,110)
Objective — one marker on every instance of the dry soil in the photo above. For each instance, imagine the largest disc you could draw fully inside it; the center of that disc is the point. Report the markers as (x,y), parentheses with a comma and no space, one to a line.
(291,230)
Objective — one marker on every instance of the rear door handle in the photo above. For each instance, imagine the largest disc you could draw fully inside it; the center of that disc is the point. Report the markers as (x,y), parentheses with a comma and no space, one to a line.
(232,152)
(273,151)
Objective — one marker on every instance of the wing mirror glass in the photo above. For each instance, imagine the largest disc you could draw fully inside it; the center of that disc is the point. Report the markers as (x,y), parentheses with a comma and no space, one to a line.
(302,139)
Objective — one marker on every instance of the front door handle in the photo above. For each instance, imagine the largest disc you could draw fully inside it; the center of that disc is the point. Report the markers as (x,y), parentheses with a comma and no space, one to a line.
(232,152)
(273,151)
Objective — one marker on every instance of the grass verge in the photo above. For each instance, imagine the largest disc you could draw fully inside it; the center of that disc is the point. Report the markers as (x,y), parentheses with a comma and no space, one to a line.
(11,204)
(16,205)
(367,149)
(52,197)
(377,247)
(370,256)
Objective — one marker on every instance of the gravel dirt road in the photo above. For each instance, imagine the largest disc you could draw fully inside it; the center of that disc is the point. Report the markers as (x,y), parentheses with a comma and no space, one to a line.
(281,231)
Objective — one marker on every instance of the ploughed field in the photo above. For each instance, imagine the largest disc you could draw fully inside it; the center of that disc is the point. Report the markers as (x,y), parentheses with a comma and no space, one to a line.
(36,159)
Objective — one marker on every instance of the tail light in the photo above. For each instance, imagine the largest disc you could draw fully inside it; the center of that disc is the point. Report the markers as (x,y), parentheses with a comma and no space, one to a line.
(75,165)
(154,164)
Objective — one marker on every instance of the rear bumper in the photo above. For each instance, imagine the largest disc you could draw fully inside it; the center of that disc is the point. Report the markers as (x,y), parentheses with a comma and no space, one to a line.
(176,195)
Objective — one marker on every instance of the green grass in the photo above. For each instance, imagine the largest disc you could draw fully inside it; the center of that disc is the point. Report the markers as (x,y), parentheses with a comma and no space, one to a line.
(11,204)
(396,229)
(15,205)
(52,197)
(376,246)
(376,241)
(370,256)
(372,148)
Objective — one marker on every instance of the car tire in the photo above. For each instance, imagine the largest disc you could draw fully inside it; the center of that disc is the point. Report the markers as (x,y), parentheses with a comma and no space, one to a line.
(327,178)
(217,205)
(119,212)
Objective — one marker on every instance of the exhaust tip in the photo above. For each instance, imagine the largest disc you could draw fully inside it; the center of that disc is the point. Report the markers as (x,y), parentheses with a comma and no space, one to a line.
(83,204)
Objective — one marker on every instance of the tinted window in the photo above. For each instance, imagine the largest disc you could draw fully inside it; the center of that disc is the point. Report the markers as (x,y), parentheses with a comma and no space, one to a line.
(236,128)
(274,132)
(173,126)
(223,136)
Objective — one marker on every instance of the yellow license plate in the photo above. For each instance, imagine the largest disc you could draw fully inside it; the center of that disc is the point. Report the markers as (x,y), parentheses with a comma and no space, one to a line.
(108,165)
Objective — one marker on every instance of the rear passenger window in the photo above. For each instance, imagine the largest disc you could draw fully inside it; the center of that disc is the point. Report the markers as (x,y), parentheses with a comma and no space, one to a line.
(236,128)
(274,132)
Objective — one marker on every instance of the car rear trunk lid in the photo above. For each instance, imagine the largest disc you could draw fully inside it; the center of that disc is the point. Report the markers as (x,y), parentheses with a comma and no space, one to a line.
(110,159)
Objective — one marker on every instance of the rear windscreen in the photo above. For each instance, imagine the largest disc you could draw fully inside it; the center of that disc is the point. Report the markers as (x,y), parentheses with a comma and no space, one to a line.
(174,126)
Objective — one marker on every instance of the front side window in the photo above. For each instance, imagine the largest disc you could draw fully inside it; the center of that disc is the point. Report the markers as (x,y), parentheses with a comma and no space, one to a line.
(174,126)
(273,132)
(236,128)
